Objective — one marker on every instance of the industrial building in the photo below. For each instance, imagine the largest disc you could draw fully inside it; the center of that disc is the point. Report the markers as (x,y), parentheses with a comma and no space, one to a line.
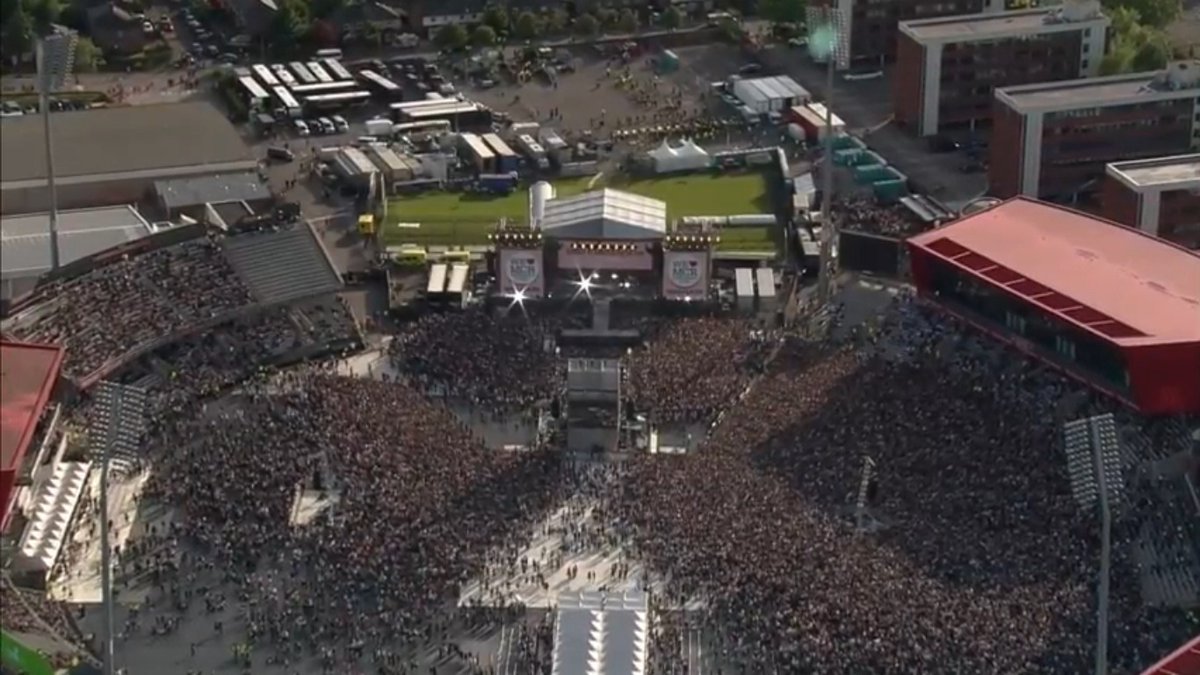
(1052,140)
(190,196)
(1108,305)
(947,68)
(25,241)
(108,156)
(867,30)
(1158,196)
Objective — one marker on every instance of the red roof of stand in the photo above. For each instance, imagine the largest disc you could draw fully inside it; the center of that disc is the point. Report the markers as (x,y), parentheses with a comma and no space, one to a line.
(1114,281)
(1183,661)
(28,373)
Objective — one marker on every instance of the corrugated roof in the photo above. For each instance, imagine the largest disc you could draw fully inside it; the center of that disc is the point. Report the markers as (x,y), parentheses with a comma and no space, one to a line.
(601,634)
(605,214)
(25,239)
(1111,280)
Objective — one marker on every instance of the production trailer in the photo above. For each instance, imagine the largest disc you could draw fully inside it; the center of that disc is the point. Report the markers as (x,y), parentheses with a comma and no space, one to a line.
(477,152)
(284,76)
(380,86)
(337,70)
(318,72)
(288,102)
(506,159)
(303,74)
(255,97)
(533,151)
(303,90)
(265,76)
(462,116)
(399,109)
(338,101)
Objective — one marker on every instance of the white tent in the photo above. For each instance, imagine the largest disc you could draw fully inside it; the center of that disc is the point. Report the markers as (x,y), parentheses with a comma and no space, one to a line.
(665,158)
(692,156)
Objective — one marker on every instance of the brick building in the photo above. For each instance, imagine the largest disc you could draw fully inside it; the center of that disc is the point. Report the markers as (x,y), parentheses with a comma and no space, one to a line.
(947,68)
(1052,140)
(1158,196)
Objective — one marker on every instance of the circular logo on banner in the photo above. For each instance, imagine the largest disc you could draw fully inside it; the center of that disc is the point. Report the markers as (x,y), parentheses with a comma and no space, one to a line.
(686,272)
(522,269)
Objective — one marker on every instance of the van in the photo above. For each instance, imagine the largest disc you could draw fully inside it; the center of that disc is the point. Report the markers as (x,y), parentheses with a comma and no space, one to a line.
(281,154)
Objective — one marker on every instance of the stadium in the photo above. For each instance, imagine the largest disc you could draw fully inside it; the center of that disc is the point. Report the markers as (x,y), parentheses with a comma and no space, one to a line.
(888,483)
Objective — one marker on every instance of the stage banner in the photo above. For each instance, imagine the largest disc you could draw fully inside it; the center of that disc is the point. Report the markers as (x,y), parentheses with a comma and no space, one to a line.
(685,275)
(521,271)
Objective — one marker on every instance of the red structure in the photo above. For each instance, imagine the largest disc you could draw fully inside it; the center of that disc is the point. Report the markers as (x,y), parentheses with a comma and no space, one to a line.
(1107,304)
(1183,661)
(28,374)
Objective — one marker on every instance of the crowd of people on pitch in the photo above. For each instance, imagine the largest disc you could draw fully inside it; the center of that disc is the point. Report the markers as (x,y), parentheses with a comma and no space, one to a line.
(417,506)
(969,554)
(102,315)
(496,362)
(861,214)
(692,368)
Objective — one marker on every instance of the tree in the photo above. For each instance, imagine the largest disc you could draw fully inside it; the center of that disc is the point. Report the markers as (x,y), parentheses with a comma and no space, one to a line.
(18,34)
(87,56)
(496,18)
(528,26)
(1153,54)
(323,9)
(587,26)
(556,20)
(782,11)
(672,18)
(628,21)
(43,13)
(1153,13)
(607,17)
(451,37)
(1114,62)
(483,36)
(288,25)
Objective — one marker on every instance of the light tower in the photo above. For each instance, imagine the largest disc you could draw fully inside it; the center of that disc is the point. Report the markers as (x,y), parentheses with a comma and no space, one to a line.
(55,60)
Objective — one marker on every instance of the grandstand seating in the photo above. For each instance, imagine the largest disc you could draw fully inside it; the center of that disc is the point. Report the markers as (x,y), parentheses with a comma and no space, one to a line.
(284,265)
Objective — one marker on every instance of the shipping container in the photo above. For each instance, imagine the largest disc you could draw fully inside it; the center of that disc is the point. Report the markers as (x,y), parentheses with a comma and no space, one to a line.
(533,151)
(476,152)
(506,159)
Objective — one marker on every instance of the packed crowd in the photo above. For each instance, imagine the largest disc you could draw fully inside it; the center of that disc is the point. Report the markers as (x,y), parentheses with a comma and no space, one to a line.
(866,215)
(694,367)
(102,315)
(420,505)
(981,562)
(500,363)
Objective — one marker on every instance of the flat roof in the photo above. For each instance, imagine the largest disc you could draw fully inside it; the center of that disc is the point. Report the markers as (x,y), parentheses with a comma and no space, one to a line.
(967,27)
(27,376)
(1110,280)
(240,186)
(25,239)
(121,140)
(1093,92)
(1180,172)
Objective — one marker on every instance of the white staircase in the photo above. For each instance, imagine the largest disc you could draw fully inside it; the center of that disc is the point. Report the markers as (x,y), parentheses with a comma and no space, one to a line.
(50,520)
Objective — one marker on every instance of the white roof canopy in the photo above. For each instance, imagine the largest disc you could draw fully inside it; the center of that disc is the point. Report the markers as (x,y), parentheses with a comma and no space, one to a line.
(605,214)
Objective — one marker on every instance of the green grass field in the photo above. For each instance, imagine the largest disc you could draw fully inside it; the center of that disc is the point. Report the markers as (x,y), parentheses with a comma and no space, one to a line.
(745,239)
(465,219)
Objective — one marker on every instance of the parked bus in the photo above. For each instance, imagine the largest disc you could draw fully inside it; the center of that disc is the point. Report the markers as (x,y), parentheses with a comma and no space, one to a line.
(303,74)
(265,75)
(337,70)
(330,102)
(419,131)
(303,90)
(283,75)
(256,98)
(381,86)
(329,53)
(288,102)
(318,72)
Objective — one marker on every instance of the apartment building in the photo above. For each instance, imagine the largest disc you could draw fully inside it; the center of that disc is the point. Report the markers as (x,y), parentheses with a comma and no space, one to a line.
(947,68)
(1159,196)
(1052,140)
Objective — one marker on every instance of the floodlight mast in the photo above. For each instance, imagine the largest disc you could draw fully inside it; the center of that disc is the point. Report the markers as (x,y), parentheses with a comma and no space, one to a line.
(55,56)
(828,233)
(1105,552)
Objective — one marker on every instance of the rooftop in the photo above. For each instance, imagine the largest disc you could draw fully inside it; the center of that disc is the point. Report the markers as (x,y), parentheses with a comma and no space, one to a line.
(964,28)
(601,634)
(242,186)
(27,376)
(1102,91)
(1180,172)
(123,140)
(1111,280)
(605,214)
(25,239)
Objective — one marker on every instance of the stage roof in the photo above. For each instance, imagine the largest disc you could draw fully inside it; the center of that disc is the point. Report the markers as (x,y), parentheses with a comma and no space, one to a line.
(605,214)
(1126,286)
(27,376)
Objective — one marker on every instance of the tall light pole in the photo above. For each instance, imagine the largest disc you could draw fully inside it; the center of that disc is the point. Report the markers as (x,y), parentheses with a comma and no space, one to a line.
(118,424)
(55,58)
(824,41)
(1094,465)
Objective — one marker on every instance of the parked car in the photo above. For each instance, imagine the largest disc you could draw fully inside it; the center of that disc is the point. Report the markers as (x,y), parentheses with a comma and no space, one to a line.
(327,125)
(340,123)
(302,128)
(281,154)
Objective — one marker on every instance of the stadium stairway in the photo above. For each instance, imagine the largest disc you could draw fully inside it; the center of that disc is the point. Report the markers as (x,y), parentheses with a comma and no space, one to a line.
(283,265)
(53,509)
